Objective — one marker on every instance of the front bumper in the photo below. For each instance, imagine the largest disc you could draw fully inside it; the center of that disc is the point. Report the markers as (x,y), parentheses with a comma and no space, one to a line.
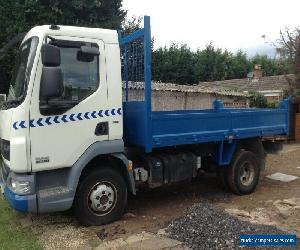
(22,203)
(47,195)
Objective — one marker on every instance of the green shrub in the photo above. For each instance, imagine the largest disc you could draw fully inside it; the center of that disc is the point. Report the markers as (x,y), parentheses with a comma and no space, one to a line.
(257,100)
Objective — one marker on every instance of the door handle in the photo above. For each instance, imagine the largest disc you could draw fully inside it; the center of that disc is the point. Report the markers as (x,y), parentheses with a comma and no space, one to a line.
(101,128)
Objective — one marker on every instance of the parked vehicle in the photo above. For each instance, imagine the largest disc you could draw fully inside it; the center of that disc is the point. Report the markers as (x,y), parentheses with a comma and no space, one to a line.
(69,140)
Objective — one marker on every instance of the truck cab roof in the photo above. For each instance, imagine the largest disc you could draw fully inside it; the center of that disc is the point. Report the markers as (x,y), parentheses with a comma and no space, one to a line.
(106,35)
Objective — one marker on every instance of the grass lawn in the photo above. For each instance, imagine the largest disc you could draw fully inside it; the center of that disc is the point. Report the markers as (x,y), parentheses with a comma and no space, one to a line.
(12,235)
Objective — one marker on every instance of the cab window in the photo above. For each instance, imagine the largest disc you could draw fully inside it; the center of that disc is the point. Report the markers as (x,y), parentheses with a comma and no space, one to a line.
(81,77)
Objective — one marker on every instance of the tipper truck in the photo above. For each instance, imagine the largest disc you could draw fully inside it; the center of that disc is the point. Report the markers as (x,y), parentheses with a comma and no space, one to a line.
(71,139)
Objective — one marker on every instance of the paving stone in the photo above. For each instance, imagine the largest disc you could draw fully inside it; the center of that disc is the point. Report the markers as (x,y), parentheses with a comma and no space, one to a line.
(282,177)
(145,241)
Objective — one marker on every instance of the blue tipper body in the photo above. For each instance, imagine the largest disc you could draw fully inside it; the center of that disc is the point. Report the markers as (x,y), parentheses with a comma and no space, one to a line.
(149,130)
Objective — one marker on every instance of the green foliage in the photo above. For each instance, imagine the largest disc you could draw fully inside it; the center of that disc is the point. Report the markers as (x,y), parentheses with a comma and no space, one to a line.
(271,66)
(19,16)
(129,25)
(173,64)
(257,100)
(241,65)
(179,64)
(273,105)
(12,236)
(211,64)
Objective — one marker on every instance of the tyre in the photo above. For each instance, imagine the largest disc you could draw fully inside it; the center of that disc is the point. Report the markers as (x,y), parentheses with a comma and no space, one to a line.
(101,197)
(243,173)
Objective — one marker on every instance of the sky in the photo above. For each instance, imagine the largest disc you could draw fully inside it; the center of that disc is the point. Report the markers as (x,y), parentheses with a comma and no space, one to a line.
(228,24)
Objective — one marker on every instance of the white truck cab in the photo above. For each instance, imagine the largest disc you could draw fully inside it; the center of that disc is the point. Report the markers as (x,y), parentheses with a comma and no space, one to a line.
(64,108)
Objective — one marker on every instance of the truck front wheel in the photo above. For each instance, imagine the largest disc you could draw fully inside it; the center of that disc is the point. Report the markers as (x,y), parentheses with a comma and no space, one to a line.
(243,173)
(101,197)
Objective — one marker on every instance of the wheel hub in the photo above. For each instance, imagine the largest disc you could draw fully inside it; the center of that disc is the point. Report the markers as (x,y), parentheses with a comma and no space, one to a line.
(247,174)
(102,198)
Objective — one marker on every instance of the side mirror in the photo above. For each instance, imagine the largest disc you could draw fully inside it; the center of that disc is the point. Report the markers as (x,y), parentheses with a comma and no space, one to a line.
(50,55)
(87,54)
(51,83)
(93,51)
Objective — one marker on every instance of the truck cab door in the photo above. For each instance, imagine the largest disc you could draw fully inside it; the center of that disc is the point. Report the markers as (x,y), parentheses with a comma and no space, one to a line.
(58,137)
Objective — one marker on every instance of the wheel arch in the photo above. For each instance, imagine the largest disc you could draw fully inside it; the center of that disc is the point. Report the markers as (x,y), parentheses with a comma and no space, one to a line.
(96,156)
(252,144)
(225,151)
(116,161)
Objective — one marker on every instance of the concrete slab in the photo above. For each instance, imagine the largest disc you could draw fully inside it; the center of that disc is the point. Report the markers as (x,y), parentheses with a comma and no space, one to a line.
(145,241)
(282,177)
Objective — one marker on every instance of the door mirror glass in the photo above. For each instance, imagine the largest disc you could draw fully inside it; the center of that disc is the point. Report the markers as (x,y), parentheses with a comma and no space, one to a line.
(51,83)
(93,51)
(50,55)
(87,53)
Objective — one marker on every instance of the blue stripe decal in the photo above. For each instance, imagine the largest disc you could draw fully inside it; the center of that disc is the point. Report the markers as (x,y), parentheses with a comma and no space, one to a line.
(61,119)
(15,125)
(71,118)
(55,119)
(47,120)
(31,123)
(39,122)
(86,115)
(79,116)
(93,114)
(64,118)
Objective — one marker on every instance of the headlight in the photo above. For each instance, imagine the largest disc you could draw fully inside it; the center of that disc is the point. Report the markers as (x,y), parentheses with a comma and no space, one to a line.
(20,187)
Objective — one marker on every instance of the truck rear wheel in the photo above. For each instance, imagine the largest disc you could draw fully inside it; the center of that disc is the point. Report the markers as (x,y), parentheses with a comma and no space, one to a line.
(101,197)
(243,173)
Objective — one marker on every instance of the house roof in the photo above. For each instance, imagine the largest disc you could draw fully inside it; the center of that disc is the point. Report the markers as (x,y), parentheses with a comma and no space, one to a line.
(267,83)
(233,87)
(159,86)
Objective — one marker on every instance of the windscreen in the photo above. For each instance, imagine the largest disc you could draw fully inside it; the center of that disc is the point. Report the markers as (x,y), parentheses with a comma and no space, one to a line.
(22,71)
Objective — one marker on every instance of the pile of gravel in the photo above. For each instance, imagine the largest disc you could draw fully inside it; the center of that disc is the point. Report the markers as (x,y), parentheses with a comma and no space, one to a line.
(205,227)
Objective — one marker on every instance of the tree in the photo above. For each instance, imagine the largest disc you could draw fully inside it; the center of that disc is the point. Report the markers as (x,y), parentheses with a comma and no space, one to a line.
(23,15)
(178,64)
(271,66)
(257,100)
(213,64)
(131,24)
(289,49)
(173,64)
(240,66)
